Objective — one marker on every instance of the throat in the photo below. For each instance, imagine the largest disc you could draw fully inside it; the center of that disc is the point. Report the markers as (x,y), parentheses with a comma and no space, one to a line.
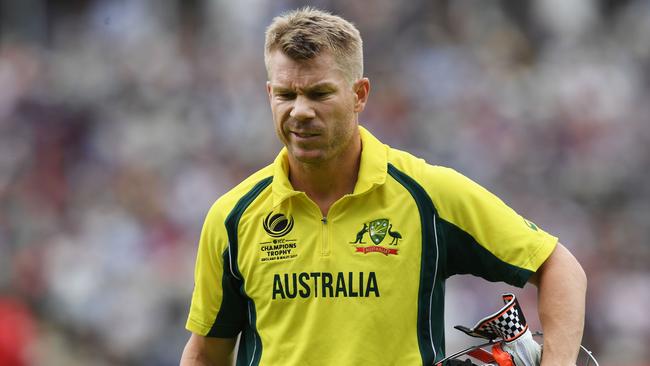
(327,181)
(324,186)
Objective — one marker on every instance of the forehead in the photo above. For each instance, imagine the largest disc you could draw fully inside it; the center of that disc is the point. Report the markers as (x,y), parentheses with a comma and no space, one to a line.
(284,70)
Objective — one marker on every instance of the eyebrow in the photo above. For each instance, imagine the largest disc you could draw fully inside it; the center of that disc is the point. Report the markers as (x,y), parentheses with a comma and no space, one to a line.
(324,85)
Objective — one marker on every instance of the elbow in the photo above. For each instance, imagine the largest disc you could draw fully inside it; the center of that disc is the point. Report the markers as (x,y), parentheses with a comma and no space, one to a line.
(561,269)
(577,274)
(581,277)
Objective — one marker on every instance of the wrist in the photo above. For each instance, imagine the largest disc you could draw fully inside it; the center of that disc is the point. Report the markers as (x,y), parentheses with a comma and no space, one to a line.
(556,361)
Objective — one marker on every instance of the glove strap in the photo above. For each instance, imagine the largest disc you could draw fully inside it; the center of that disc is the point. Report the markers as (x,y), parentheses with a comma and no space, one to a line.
(508,323)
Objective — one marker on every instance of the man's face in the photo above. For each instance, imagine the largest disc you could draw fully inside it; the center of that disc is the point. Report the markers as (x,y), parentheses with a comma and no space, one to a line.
(314,107)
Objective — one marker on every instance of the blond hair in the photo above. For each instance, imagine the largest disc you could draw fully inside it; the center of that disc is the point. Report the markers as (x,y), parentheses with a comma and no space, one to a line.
(305,33)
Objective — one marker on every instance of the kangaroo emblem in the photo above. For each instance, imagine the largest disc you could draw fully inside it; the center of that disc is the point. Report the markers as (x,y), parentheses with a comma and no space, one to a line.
(360,235)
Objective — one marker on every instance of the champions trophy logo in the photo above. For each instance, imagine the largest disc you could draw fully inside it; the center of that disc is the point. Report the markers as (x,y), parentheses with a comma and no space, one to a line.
(377,231)
(277,225)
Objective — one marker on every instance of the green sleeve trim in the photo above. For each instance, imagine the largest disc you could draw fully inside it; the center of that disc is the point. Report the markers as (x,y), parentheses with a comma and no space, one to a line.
(466,256)
(431,339)
(230,319)
(237,311)
(199,328)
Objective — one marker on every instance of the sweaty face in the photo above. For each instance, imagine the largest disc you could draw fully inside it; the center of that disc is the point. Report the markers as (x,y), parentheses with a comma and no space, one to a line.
(314,107)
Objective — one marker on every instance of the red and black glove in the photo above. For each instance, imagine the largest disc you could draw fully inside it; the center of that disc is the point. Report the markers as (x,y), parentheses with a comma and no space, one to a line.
(458,363)
(508,325)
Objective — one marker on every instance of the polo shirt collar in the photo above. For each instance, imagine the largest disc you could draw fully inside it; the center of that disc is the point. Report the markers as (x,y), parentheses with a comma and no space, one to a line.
(372,170)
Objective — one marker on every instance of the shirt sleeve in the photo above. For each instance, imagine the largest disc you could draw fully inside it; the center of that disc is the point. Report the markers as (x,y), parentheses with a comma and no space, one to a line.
(218,306)
(483,236)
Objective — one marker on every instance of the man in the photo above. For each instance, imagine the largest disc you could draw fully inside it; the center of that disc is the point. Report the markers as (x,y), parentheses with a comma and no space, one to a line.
(278,263)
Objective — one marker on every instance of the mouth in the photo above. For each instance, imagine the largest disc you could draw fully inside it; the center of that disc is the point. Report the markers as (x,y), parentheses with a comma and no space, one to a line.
(304,135)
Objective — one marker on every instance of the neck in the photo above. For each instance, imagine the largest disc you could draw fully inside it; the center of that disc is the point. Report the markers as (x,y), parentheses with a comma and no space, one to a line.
(326,182)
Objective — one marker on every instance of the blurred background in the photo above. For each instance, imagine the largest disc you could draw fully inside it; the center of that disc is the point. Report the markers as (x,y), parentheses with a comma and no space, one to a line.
(122,121)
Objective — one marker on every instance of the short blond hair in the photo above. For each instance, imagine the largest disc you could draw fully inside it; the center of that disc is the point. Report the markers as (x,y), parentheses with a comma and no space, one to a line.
(305,33)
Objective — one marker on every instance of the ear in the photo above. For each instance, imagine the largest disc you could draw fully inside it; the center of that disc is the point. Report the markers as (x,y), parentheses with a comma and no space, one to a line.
(268,89)
(361,90)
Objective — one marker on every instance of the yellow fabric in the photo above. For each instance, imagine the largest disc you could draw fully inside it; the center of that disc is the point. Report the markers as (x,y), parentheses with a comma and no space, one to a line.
(325,293)
(487,219)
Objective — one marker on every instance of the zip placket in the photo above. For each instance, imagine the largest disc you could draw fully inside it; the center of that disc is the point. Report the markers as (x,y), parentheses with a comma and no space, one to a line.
(325,244)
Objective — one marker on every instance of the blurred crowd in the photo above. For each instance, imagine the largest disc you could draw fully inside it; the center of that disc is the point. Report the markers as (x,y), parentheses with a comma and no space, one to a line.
(122,121)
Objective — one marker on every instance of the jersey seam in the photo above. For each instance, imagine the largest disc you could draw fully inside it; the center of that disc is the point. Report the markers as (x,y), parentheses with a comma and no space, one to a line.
(205,328)
(517,273)
(540,246)
(424,204)
(232,230)
(524,263)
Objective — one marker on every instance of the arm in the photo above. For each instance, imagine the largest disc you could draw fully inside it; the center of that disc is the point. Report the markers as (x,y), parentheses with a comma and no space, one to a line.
(561,287)
(208,351)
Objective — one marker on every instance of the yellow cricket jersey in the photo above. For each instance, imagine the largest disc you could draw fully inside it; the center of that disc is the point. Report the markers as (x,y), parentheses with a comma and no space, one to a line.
(364,285)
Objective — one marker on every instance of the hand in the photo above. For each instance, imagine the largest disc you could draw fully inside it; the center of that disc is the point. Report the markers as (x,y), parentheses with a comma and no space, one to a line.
(525,350)
(459,363)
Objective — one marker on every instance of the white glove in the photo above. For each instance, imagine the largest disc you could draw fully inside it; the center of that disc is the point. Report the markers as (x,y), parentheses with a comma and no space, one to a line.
(525,350)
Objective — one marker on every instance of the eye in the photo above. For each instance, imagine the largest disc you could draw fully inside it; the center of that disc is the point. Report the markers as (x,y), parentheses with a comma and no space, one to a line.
(320,94)
(285,95)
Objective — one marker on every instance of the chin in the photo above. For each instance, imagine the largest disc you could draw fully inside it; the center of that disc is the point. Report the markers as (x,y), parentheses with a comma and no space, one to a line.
(308,157)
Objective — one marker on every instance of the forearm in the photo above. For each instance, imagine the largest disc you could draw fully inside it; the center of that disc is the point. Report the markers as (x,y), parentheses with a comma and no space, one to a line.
(202,351)
(196,359)
(562,288)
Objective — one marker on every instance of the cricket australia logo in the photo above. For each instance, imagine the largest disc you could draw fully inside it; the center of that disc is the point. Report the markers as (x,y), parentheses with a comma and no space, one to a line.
(377,231)
(277,225)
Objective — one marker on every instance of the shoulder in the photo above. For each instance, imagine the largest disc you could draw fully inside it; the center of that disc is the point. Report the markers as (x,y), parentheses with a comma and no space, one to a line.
(229,200)
(427,175)
(448,189)
(406,163)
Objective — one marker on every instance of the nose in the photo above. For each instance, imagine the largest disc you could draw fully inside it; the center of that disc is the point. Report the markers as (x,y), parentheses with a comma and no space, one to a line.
(302,109)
